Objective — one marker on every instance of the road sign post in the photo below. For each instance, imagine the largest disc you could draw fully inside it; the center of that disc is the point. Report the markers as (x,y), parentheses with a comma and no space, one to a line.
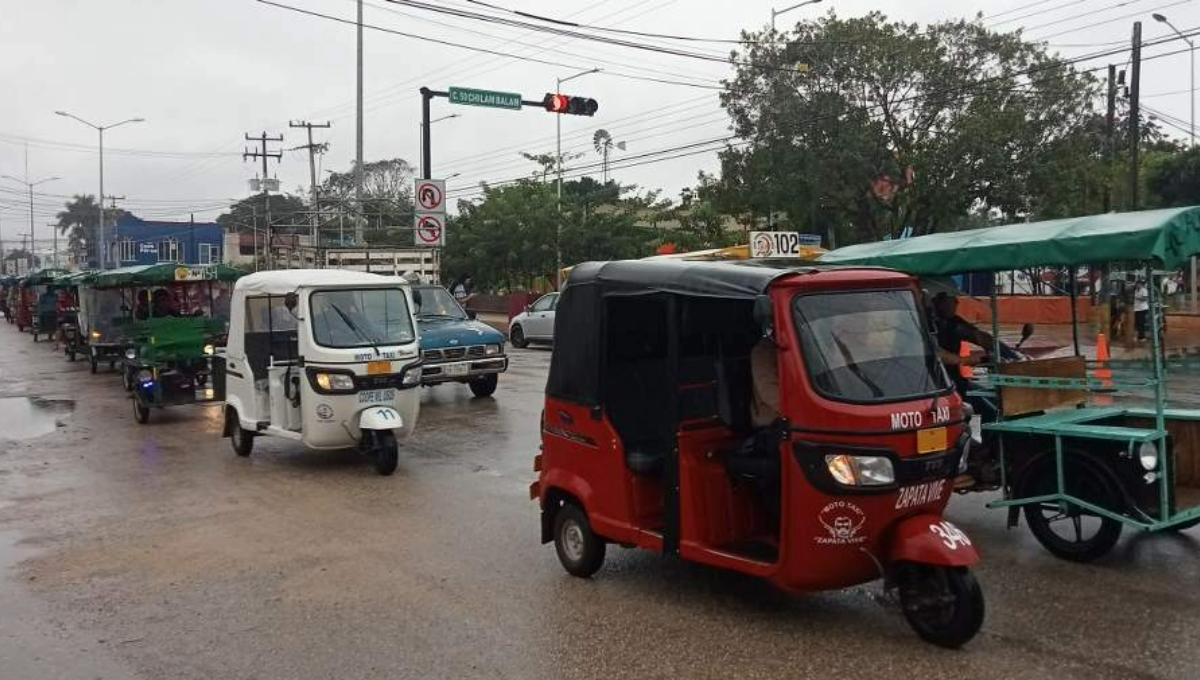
(429,218)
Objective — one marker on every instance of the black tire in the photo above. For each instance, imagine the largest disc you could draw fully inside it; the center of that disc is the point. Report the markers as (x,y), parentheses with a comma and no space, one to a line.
(241,438)
(943,605)
(1080,544)
(579,549)
(385,452)
(517,337)
(35,336)
(71,355)
(484,386)
(93,363)
(141,410)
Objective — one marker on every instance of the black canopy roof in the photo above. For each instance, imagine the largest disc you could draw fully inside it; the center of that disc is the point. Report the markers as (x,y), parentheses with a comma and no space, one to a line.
(736,279)
(576,364)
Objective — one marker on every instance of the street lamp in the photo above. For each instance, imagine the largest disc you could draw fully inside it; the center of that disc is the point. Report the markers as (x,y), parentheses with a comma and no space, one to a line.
(30,185)
(1192,126)
(558,162)
(421,143)
(775,13)
(100,199)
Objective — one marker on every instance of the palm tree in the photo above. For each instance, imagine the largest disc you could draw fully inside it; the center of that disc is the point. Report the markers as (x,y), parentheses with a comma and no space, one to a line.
(78,222)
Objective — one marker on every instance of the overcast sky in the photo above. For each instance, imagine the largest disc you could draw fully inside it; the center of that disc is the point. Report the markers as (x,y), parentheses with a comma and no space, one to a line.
(205,72)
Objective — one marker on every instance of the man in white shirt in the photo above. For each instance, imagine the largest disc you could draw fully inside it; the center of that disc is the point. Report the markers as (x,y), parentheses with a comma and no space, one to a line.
(1141,308)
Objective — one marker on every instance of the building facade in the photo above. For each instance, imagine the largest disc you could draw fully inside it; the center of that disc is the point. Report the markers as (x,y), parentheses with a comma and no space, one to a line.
(136,241)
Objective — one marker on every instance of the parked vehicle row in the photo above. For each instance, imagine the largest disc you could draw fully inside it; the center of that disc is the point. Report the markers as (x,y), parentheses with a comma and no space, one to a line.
(327,358)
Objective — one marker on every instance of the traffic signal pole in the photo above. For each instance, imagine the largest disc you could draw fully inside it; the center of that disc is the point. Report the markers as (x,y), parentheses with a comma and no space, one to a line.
(554,102)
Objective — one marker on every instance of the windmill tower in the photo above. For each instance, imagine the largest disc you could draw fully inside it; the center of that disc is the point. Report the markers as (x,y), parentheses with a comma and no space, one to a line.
(604,145)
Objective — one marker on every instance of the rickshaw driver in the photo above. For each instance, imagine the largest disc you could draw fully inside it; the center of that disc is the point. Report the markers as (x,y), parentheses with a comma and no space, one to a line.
(952,330)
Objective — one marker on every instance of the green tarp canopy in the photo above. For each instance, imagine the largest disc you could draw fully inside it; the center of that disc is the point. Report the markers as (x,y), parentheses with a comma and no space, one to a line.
(174,338)
(1164,238)
(167,272)
(43,277)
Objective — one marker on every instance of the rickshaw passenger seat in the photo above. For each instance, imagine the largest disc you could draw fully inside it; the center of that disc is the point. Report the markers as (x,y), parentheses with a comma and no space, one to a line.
(733,392)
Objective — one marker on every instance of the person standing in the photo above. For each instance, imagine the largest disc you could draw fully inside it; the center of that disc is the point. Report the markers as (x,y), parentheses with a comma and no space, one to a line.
(1141,308)
(1170,286)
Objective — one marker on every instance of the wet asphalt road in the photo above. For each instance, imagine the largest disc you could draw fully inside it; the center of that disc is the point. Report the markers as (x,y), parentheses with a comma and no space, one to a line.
(152,551)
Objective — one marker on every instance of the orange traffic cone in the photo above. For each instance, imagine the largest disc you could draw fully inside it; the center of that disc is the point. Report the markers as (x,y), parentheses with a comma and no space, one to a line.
(964,351)
(1103,372)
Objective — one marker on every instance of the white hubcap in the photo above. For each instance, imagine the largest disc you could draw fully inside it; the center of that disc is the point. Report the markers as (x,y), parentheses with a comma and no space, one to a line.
(573,541)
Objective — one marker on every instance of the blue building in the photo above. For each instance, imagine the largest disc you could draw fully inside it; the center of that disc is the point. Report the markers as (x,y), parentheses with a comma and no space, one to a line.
(135,241)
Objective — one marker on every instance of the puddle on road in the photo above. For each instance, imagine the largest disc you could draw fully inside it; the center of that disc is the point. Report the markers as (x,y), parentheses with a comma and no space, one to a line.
(29,417)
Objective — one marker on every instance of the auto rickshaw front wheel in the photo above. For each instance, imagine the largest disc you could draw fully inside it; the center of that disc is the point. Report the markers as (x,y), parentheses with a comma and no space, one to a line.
(241,438)
(579,549)
(141,410)
(384,451)
(944,605)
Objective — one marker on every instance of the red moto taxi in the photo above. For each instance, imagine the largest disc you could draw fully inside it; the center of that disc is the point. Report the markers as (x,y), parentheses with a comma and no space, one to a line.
(654,433)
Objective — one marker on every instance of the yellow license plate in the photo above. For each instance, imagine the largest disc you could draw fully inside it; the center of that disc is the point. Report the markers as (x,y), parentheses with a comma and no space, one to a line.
(932,441)
(379,367)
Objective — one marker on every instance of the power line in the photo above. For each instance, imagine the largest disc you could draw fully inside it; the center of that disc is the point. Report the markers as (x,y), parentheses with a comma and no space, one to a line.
(707,146)
(1107,21)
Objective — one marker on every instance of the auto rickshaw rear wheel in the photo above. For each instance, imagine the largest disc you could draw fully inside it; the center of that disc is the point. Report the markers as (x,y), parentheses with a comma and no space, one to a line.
(579,549)
(385,451)
(141,410)
(484,386)
(92,362)
(1067,530)
(944,605)
(241,438)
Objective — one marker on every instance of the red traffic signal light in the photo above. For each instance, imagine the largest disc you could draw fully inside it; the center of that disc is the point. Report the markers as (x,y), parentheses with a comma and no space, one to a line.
(576,106)
(556,103)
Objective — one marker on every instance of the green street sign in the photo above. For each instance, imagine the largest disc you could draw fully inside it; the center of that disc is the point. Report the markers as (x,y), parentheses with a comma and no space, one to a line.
(495,100)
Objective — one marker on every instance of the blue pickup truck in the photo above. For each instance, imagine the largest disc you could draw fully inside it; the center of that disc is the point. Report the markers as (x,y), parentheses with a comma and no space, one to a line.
(454,346)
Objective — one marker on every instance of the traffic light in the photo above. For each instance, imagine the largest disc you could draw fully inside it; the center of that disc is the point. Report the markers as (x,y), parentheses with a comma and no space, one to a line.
(575,106)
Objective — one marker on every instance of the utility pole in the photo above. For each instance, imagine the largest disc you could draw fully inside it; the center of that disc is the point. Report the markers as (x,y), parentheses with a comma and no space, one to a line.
(358,142)
(1109,129)
(313,150)
(264,154)
(1135,84)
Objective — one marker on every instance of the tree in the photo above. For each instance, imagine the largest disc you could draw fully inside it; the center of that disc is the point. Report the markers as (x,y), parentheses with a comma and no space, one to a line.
(250,213)
(1173,179)
(868,126)
(507,238)
(78,221)
(387,199)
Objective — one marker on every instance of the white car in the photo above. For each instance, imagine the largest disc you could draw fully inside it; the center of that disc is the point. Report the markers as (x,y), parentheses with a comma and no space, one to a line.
(535,324)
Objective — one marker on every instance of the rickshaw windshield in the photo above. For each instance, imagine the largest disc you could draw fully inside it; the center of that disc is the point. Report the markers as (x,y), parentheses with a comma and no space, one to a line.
(361,318)
(867,346)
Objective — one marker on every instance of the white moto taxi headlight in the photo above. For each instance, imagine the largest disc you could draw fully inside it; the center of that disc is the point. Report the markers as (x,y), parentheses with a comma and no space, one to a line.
(145,376)
(335,381)
(1148,455)
(209,350)
(491,349)
(131,353)
(861,470)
